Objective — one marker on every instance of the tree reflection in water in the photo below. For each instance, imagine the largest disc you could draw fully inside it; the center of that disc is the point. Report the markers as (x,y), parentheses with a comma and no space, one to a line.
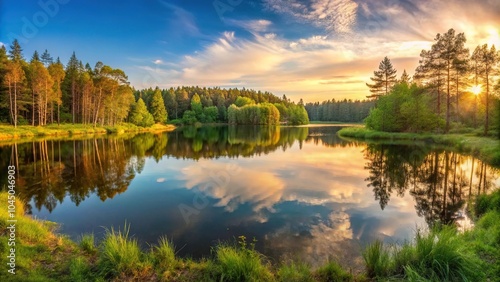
(51,170)
(440,181)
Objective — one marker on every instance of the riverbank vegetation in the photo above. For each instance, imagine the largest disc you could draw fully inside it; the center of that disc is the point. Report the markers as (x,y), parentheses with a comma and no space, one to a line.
(439,254)
(7,132)
(485,148)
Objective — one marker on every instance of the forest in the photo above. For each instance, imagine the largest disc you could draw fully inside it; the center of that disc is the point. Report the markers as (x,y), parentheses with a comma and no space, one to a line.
(43,91)
(453,90)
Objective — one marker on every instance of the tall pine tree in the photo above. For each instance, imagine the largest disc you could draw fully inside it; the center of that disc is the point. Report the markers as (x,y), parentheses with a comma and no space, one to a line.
(384,79)
(158,107)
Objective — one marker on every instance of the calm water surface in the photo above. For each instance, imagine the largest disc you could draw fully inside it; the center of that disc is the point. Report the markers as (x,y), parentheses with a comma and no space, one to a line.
(302,192)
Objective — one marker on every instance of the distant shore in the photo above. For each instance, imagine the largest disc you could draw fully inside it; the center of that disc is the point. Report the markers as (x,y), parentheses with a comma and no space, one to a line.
(11,133)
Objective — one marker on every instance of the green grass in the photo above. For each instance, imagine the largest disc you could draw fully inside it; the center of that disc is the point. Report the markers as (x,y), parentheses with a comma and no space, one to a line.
(333,272)
(8,132)
(87,243)
(436,255)
(485,148)
(120,255)
(164,255)
(295,272)
(240,263)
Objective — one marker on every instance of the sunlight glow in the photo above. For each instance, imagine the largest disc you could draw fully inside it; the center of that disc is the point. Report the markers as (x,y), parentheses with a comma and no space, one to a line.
(494,37)
(476,89)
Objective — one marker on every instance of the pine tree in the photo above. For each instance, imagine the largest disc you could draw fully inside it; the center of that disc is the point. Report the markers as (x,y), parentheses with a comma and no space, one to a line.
(35,57)
(46,58)
(158,107)
(140,115)
(405,78)
(449,49)
(384,79)
(16,52)
(487,60)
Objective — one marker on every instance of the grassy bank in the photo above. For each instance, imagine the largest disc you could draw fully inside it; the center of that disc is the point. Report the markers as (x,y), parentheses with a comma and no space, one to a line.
(8,132)
(485,148)
(439,255)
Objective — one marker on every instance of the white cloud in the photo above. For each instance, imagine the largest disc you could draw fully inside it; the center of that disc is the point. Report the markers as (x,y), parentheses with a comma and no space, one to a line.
(158,62)
(2,44)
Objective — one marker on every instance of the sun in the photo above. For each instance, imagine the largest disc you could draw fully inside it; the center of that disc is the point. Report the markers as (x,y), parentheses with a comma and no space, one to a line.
(476,89)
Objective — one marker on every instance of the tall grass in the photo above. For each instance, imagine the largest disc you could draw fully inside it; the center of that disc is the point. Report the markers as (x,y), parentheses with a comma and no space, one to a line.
(295,272)
(333,272)
(240,263)
(164,254)
(439,255)
(87,243)
(120,254)
(377,260)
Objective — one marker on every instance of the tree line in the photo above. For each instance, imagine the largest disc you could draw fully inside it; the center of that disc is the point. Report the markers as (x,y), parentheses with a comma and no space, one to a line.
(451,88)
(43,91)
(339,110)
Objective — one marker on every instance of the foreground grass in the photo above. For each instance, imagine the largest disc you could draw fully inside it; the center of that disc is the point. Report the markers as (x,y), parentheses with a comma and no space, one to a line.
(485,148)
(8,132)
(441,254)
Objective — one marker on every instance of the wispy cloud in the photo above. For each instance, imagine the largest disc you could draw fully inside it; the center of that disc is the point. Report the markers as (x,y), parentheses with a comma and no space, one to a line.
(251,25)
(185,18)
(334,15)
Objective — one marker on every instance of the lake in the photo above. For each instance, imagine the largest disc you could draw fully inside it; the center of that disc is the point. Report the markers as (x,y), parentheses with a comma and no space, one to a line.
(301,192)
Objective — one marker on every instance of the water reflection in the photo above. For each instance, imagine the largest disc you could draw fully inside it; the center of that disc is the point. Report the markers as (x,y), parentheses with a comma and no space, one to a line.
(440,181)
(301,191)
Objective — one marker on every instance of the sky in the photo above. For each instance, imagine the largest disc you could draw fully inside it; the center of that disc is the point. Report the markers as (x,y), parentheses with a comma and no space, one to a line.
(314,49)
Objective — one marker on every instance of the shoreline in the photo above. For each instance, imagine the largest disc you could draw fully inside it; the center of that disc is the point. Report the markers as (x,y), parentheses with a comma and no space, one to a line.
(27,132)
(486,149)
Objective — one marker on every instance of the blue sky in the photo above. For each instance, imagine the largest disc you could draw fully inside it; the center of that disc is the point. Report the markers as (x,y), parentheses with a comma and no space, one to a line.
(315,49)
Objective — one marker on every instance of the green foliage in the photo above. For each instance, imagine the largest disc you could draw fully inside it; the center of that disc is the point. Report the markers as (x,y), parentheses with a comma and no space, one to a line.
(333,272)
(158,107)
(119,254)
(210,114)
(189,117)
(405,109)
(283,111)
(87,243)
(376,260)
(240,263)
(196,105)
(297,115)
(79,270)
(485,203)
(164,254)
(439,255)
(295,272)
(264,114)
(140,115)
(243,101)
(384,79)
